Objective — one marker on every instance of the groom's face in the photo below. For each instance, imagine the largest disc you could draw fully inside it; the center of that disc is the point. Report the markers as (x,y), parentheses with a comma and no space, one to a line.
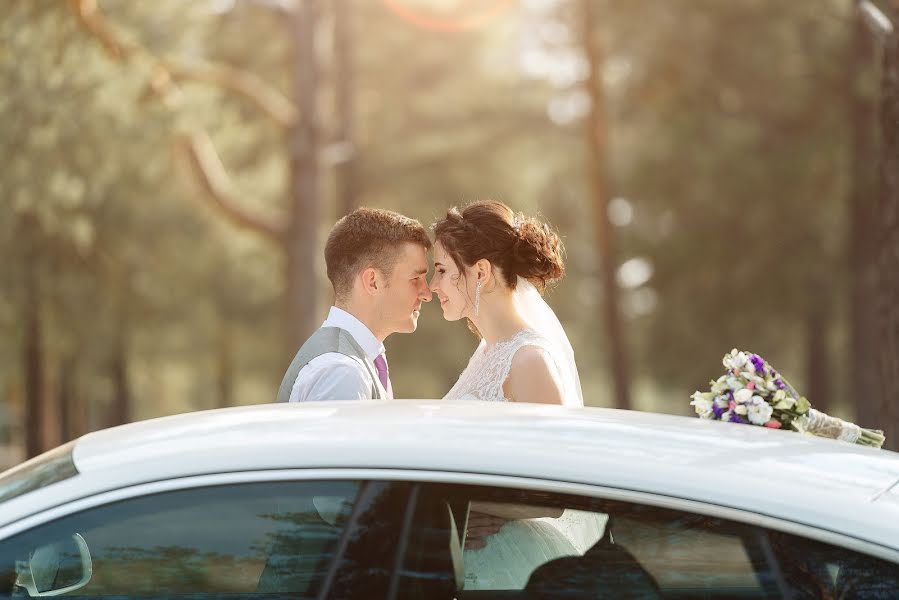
(407,289)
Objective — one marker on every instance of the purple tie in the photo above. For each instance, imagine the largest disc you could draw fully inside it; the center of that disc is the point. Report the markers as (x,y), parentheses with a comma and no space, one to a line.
(384,374)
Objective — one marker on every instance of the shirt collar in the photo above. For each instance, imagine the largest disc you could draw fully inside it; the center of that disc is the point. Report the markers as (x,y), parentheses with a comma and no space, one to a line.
(364,337)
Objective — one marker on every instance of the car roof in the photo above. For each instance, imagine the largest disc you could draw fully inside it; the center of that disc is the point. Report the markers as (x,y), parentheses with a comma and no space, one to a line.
(777,473)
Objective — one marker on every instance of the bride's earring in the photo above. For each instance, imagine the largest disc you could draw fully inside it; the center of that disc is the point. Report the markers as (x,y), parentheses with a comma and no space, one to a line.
(477,299)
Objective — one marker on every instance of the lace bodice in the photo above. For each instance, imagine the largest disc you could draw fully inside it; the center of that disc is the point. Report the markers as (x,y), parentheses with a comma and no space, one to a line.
(488,369)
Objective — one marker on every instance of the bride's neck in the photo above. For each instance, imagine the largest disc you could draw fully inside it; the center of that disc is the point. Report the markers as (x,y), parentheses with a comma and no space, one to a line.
(499,320)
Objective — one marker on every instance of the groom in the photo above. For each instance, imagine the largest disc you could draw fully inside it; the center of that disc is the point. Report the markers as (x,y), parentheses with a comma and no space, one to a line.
(377,263)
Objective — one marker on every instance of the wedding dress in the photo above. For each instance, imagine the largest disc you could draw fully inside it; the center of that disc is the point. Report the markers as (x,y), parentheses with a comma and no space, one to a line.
(521,546)
(488,368)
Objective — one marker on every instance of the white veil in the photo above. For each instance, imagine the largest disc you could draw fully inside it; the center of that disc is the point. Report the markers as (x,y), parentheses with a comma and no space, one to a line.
(543,320)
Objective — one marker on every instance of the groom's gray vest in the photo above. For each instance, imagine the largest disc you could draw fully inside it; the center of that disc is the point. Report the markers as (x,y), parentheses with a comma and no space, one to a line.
(323,341)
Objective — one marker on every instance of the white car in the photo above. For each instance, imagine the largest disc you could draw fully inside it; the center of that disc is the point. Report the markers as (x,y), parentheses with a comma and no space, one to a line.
(371,500)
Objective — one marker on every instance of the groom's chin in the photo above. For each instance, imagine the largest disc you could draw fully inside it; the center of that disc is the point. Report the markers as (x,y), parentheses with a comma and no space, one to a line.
(411,326)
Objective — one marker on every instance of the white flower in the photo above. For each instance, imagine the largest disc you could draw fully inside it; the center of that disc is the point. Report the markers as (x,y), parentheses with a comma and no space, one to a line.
(743,396)
(759,411)
(733,383)
(720,386)
(702,405)
(741,409)
(782,401)
(738,359)
(721,401)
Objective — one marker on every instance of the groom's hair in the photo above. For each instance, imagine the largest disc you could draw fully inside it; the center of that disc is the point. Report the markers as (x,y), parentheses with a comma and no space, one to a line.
(368,237)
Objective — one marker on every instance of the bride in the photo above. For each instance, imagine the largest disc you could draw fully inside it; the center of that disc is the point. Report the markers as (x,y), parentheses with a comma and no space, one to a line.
(491,266)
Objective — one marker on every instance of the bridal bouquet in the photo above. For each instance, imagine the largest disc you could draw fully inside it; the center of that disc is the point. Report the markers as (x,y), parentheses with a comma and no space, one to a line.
(752,392)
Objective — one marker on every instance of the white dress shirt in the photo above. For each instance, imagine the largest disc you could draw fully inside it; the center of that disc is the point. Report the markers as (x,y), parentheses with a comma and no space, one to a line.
(334,376)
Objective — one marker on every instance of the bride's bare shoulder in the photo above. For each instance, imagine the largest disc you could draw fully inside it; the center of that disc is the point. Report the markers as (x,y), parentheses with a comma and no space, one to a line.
(533,377)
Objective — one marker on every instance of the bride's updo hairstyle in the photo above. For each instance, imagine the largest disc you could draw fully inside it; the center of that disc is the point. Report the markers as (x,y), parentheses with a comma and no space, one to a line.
(519,245)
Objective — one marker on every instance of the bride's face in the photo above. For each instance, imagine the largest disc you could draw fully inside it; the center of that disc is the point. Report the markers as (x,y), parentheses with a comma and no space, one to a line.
(451,286)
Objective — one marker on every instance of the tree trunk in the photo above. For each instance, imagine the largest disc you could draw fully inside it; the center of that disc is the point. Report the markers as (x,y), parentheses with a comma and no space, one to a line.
(121,403)
(864,382)
(66,397)
(345,87)
(301,243)
(817,367)
(888,251)
(33,346)
(605,236)
(225,366)
(120,411)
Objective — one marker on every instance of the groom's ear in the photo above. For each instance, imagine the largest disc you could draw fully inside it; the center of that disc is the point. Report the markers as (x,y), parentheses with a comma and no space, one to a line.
(370,283)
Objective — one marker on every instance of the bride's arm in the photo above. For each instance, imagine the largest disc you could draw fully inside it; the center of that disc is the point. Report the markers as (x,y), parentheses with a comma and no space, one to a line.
(486,519)
(515,512)
(533,377)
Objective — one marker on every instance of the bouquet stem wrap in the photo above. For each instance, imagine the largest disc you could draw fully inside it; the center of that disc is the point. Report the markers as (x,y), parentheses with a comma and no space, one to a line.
(818,423)
(823,425)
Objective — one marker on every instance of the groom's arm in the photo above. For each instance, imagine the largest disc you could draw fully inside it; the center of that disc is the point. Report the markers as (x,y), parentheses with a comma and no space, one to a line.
(332,376)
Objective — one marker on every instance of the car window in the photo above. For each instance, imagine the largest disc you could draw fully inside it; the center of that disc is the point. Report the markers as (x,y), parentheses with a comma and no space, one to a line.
(809,566)
(235,539)
(576,547)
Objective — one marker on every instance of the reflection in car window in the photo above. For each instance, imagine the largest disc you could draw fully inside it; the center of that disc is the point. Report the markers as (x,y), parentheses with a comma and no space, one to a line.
(51,467)
(260,537)
(633,550)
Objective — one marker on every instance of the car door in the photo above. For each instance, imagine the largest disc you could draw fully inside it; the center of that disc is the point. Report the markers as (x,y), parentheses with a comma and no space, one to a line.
(374,534)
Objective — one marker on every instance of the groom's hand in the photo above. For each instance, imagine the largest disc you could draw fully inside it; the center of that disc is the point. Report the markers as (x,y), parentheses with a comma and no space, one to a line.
(480,527)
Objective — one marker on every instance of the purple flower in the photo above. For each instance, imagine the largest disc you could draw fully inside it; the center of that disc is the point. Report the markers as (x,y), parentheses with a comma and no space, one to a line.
(758,363)
(730,395)
(718,410)
(735,418)
(780,384)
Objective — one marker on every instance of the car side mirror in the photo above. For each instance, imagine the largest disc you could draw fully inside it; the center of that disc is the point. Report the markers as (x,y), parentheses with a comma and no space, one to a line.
(56,568)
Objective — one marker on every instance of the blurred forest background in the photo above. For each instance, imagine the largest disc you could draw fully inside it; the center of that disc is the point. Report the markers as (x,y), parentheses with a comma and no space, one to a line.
(723,173)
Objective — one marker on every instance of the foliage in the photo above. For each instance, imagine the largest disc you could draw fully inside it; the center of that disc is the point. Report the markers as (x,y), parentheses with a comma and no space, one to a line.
(729,153)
